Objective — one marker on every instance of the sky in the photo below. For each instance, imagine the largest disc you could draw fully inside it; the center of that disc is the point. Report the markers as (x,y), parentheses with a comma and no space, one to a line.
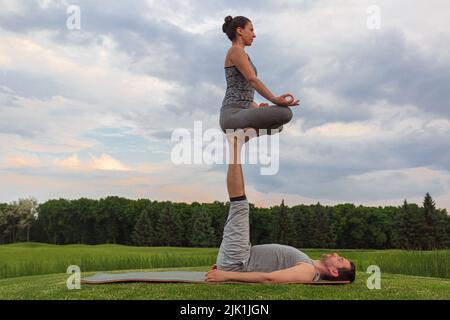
(90,98)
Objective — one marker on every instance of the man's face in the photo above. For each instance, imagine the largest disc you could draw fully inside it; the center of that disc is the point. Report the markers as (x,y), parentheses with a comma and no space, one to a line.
(333,260)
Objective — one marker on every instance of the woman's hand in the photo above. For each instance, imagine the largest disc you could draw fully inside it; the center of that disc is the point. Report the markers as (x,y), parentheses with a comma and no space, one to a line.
(282,101)
(253,104)
(216,275)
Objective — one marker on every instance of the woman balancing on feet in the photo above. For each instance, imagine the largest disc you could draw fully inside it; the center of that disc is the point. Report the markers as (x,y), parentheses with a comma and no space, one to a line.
(238,110)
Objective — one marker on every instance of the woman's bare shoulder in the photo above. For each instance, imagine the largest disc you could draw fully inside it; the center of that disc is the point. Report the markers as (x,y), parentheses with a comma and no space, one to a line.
(234,50)
(233,55)
(238,54)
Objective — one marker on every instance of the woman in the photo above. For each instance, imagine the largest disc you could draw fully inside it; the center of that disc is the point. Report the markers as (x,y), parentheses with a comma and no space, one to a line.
(238,110)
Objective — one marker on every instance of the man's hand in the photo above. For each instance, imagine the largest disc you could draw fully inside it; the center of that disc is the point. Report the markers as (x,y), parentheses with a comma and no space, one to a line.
(216,275)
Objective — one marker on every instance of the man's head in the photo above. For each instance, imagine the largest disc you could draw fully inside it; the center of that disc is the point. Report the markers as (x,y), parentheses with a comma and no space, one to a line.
(339,268)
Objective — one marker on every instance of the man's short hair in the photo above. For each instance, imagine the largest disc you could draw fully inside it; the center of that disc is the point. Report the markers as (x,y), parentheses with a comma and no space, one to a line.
(343,274)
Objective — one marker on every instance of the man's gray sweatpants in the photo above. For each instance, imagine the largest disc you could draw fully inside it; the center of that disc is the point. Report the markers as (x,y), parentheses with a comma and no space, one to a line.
(234,250)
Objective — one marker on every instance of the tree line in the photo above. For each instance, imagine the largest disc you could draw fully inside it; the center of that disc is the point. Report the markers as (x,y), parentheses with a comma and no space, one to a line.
(144,222)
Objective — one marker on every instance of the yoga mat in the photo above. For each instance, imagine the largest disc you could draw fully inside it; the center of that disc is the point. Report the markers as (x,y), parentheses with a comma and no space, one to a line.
(172,277)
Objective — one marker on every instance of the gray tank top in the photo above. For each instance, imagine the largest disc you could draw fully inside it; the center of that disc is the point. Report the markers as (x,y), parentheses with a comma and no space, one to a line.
(271,257)
(239,91)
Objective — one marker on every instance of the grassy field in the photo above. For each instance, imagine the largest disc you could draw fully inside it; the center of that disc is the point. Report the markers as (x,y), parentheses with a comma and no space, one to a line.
(37,271)
(23,259)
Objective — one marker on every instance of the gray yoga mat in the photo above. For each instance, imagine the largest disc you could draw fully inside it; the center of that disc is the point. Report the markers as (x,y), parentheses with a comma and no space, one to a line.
(169,276)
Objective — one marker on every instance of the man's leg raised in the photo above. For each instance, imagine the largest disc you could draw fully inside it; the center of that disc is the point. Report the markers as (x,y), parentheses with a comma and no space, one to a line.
(235,247)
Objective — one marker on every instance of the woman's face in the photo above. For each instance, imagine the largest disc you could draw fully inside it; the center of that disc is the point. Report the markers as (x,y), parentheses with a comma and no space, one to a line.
(247,34)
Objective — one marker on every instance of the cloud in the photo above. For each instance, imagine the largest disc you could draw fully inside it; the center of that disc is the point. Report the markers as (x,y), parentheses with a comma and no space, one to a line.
(71,162)
(97,106)
(104,162)
(12,8)
(363,160)
(21,161)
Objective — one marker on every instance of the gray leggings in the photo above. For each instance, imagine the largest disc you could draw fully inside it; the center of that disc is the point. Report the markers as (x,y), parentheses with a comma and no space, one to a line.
(271,117)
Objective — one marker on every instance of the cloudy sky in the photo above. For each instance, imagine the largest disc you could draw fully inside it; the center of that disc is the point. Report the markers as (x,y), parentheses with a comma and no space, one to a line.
(89,111)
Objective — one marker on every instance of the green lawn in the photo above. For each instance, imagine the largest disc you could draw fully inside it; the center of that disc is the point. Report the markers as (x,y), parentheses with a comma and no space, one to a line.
(19,264)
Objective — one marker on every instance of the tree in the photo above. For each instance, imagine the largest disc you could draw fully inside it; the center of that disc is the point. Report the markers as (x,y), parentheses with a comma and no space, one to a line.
(169,227)
(355,231)
(28,214)
(185,213)
(144,230)
(110,219)
(261,222)
(218,215)
(322,233)
(302,217)
(377,228)
(202,232)
(429,239)
(447,218)
(123,221)
(84,221)
(283,228)
(16,220)
(435,224)
(9,220)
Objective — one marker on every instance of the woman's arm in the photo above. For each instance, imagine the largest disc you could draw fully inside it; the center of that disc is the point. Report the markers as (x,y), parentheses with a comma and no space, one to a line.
(241,61)
(262,89)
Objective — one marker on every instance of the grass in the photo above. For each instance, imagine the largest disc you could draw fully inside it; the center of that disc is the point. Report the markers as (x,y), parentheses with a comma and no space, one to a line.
(23,259)
(38,271)
(393,287)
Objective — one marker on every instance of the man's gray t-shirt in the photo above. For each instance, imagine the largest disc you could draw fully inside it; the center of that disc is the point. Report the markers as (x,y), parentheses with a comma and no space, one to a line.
(273,256)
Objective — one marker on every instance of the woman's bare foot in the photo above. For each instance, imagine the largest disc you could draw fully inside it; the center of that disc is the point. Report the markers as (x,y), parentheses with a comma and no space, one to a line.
(243,135)
(251,133)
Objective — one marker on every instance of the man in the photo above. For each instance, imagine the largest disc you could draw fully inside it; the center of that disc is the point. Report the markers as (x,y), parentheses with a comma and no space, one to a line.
(238,260)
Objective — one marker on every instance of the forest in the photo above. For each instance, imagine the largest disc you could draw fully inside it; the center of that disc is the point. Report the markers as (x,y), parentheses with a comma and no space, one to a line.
(144,222)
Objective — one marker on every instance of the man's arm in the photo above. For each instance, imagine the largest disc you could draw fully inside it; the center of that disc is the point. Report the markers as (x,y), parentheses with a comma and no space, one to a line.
(261,277)
(216,275)
(301,272)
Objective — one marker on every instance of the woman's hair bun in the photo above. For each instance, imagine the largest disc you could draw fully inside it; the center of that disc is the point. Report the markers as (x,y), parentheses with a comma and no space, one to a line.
(231,24)
(228,19)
